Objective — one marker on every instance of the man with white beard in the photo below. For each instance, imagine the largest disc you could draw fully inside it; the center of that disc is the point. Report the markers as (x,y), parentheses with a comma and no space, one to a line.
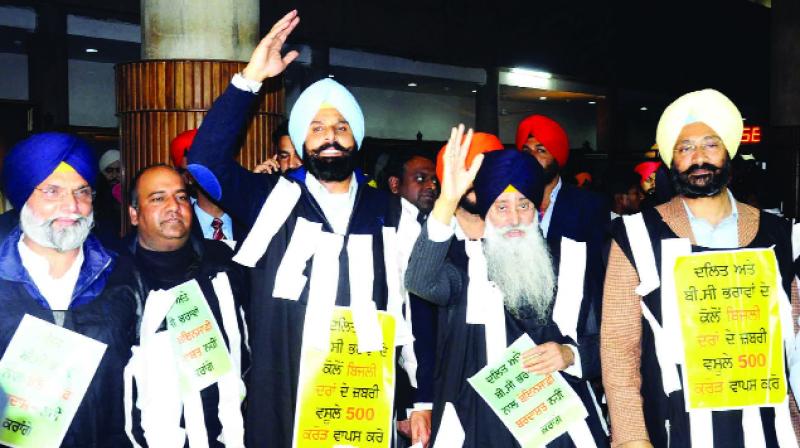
(53,269)
(516,262)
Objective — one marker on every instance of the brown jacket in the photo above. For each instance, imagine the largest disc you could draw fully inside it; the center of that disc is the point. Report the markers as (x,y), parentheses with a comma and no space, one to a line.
(621,329)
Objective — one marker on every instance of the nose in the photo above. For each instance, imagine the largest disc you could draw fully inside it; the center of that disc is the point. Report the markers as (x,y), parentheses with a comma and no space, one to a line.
(330,134)
(172,203)
(513,217)
(698,156)
(430,184)
(69,204)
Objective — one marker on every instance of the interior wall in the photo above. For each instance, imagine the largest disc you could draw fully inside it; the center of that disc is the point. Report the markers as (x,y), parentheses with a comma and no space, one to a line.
(91,94)
(14,75)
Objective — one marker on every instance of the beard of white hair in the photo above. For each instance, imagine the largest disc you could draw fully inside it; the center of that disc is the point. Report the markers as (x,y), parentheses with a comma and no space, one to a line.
(522,268)
(42,232)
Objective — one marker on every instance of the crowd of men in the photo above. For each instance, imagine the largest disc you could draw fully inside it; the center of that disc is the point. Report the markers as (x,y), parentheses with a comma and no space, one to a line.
(480,250)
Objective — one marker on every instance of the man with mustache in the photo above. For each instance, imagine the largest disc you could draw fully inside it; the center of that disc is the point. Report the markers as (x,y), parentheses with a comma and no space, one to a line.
(697,136)
(316,240)
(495,290)
(53,269)
(169,254)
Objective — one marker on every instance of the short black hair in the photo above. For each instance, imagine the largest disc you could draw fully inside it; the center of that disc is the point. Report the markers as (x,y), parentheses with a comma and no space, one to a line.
(280,131)
(397,163)
(621,181)
(133,195)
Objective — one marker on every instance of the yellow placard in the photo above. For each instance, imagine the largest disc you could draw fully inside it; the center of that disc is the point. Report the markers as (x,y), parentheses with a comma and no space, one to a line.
(344,397)
(730,319)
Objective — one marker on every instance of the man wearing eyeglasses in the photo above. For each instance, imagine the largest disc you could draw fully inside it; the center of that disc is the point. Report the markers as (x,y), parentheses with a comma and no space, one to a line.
(648,356)
(53,269)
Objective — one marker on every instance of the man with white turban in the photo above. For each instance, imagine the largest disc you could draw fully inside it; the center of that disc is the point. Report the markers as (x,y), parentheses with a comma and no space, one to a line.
(649,383)
(315,243)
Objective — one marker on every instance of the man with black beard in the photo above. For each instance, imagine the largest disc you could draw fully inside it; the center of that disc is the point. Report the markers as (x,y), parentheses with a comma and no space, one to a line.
(493,291)
(316,237)
(52,268)
(641,343)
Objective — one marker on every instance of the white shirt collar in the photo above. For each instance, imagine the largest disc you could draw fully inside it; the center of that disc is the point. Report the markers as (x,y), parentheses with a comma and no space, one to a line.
(57,291)
(734,209)
(337,207)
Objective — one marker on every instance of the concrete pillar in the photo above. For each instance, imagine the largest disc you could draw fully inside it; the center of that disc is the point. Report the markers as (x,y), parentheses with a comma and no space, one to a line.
(191,49)
(783,140)
(210,29)
(486,103)
(48,76)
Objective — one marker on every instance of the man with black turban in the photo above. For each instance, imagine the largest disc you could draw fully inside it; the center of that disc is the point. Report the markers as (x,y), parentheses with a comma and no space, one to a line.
(53,269)
(498,289)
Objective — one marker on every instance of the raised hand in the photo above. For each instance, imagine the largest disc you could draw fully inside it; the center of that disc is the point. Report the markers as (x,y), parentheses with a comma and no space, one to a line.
(266,60)
(457,177)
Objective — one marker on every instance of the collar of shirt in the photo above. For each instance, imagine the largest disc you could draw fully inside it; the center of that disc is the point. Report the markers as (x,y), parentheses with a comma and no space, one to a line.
(408,207)
(544,222)
(205,220)
(723,235)
(337,207)
(57,291)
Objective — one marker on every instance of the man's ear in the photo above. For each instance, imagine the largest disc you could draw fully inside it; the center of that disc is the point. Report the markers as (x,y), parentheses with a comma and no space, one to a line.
(134,215)
(394,184)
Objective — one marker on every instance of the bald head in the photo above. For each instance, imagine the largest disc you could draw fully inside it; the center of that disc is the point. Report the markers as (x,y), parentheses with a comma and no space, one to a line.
(161,209)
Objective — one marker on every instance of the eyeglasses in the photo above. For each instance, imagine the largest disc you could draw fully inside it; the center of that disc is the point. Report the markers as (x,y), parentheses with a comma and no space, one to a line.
(55,193)
(709,145)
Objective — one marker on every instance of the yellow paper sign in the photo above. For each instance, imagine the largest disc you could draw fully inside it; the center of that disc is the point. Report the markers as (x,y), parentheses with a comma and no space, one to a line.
(344,397)
(730,320)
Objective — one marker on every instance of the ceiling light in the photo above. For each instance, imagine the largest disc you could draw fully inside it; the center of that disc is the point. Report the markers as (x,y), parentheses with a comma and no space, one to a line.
(412,84)
(330,75)
(91,50)
(643,108)
(474,91)
(536,73)
(542,98)
(592,102)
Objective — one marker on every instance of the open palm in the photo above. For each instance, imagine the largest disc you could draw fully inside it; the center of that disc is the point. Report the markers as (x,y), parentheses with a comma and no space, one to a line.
(457,177)
(266,60)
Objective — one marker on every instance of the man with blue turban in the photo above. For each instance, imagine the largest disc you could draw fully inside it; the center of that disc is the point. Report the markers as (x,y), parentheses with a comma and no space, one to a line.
(494,290)
(315,245)
(53,269)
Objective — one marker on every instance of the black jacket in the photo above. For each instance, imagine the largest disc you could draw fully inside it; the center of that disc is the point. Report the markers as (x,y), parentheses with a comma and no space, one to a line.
(275,324)
(201,260)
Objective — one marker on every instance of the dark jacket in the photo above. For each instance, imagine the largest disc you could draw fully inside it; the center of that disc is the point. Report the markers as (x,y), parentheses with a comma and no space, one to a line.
(203,260)
(275,324)
(239,230)
(437,272)
(106,306)
(583,216)
(423,323)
